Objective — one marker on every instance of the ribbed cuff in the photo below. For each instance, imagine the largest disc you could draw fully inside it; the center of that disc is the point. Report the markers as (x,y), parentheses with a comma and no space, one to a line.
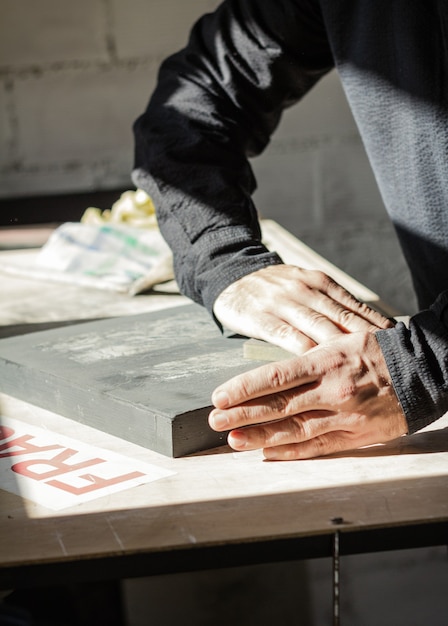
(417,360)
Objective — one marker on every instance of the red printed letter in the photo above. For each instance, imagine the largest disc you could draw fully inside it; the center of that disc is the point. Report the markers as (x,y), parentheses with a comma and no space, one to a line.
(57,463)
(96,482)
(6,432)
(24,445)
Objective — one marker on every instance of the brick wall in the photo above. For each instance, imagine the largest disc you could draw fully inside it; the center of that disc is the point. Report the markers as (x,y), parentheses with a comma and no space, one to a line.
(75,75)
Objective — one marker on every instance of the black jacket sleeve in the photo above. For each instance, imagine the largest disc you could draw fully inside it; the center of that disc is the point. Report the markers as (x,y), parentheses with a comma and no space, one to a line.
(417,359)
(216,104)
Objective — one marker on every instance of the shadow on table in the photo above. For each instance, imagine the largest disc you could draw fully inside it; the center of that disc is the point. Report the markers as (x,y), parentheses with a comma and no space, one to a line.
(429,442)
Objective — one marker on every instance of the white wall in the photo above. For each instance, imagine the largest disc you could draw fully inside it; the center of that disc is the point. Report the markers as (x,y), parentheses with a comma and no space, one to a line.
(73,77)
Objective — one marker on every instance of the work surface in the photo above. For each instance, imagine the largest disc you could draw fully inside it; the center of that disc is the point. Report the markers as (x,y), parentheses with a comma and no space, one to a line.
(78,502)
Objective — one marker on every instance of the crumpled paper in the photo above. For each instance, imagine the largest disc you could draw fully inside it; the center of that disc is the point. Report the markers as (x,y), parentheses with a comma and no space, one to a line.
(120,249)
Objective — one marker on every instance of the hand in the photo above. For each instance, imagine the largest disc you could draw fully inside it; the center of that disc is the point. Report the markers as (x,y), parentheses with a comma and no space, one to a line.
(338,396)
(293,308)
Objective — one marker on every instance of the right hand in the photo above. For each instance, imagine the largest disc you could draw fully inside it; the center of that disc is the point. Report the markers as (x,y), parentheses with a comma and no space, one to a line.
(336,397)
(293,308)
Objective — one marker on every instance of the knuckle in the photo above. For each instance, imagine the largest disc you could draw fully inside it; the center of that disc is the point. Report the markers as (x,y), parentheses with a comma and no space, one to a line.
(290,453)
(271,328)
(321,446)
(367,311)
(296,272)
(244,389)
(277,378)
(245,416)
(315,319)
(287,335)
(345,317)
(364,308)
(279,404)
(300,429)
(293,453)
(274,435)
(323,281)
(283,331)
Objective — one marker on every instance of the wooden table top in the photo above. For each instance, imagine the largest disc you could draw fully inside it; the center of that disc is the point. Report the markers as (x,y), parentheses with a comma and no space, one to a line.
(78,494)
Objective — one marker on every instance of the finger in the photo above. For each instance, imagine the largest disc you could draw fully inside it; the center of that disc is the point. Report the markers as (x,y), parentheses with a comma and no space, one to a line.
(279,330)
(283,432)
(343,319)
(326,320)
(270,408)
(351,311)
(323,445)
(297,328)
(264,380)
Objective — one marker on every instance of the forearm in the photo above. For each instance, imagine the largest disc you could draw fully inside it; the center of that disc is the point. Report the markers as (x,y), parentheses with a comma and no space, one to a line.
(216,104)
(417,359)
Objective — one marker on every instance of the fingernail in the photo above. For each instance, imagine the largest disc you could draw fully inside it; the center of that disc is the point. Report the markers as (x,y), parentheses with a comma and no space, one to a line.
(238,439)
(221,399)
(219,421)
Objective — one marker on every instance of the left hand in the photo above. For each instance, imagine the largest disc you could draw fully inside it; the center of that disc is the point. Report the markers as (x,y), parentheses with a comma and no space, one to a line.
(337,396)
(293,308)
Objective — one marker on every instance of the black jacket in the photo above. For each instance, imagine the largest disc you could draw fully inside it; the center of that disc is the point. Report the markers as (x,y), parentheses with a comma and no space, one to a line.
(218,102)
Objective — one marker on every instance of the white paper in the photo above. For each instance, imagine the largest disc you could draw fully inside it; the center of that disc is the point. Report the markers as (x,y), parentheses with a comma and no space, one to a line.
(60,472)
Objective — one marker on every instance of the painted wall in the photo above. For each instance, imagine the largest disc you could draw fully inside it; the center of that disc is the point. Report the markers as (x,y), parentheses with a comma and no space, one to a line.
(73,77)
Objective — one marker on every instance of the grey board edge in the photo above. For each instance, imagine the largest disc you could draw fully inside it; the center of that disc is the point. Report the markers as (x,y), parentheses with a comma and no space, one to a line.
(169,437)
(176,435)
